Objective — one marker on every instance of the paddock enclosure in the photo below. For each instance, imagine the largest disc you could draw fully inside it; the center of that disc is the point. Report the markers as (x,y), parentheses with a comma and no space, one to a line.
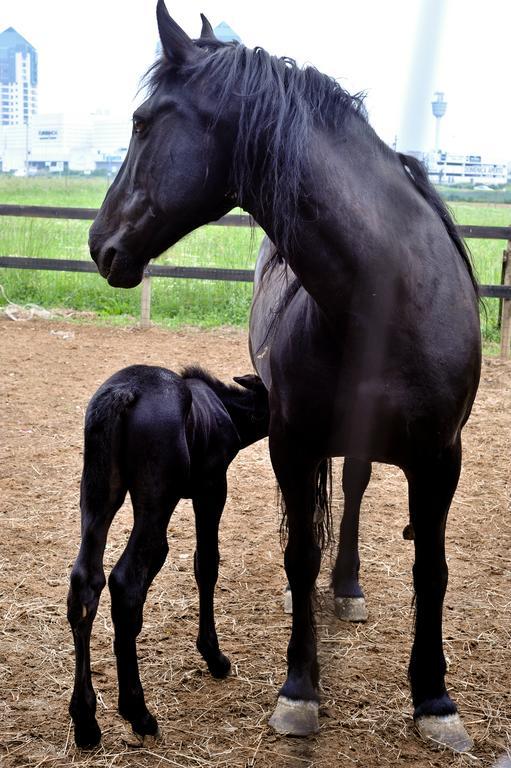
(48,371)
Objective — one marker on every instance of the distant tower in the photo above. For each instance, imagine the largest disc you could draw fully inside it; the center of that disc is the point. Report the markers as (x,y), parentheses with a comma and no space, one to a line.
(439,106)
(18,79)
(413,136)
(224,33)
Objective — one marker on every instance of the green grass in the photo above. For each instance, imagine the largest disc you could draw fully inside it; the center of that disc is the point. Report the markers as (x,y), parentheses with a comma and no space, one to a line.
(174,301)
(77,191)
(486,255)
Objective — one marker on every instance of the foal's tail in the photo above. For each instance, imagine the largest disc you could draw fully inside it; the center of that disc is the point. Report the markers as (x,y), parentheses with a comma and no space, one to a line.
(323,523)
(101,472)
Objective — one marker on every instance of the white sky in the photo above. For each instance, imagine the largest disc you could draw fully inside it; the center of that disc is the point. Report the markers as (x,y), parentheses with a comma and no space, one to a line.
(92,54)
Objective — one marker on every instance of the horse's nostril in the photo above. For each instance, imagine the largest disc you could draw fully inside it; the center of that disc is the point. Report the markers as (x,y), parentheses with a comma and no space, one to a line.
(104,259)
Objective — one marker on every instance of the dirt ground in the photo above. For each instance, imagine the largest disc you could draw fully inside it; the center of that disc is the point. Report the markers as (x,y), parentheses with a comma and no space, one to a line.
(48,372)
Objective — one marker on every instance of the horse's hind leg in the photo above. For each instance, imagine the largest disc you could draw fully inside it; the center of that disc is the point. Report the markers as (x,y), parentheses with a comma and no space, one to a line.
(129,582)
(431,488)
(349,599)
(98,507)
(208,506)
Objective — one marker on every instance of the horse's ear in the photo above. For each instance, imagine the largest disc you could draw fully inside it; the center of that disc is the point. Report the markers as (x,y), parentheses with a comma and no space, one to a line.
(177,46)
(250,381)
(207,30)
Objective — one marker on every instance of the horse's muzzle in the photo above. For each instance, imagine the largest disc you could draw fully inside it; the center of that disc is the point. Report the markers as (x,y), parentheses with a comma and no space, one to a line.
(119,268)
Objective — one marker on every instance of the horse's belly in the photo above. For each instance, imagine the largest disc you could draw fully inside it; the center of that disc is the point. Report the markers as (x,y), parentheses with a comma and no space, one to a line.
(382,420)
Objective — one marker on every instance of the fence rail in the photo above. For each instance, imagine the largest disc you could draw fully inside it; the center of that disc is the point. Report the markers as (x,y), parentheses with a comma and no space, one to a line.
(502,292)
(87,214)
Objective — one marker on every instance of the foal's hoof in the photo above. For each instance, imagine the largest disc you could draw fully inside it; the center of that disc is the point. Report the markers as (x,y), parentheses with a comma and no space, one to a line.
(220,666)
(143,723)
(408,532)
(87,736)
(350,608)
(288,602)
(445,731)
(293,717)
(146,726)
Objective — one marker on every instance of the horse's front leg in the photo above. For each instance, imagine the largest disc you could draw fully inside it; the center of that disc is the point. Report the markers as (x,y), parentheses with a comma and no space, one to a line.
(298,703)
(98,507)
(208,505)
(431,487)
(129,582)
(349,599)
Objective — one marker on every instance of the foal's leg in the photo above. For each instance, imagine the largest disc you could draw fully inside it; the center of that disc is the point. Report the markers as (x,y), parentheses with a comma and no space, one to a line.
(87,582)
(431,488)
(208,506)
(349,599)
(297,706)
(129,582)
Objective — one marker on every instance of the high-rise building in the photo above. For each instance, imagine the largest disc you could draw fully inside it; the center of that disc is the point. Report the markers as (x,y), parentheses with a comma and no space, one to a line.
(226,34)
(18,79)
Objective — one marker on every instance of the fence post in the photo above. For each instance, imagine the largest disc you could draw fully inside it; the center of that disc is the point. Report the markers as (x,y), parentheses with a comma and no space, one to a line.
(505,321)
(145,302)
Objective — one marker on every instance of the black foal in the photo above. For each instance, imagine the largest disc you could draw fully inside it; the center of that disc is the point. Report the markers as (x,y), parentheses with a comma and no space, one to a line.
(162,437)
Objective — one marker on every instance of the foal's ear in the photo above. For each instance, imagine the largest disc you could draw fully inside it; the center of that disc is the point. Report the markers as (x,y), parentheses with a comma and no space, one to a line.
(177,46)
(250,381)
(207,30)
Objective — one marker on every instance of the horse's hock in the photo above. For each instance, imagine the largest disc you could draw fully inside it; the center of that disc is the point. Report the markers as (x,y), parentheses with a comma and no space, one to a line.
(47,379)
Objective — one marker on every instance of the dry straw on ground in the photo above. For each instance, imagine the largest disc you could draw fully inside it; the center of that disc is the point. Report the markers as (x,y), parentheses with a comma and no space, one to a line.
(47,376)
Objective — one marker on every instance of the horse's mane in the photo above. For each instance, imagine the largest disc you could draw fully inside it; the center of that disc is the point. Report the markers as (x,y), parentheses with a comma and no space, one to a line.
(225,392)
(280,104)
(419,177)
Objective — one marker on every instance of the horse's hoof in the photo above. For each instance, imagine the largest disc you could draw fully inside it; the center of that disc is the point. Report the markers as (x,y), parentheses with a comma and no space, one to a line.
(219,666)
(294,717)
(149,739)
(87,736)
(288,602)
(408,532)
(350,608)
(445,731)
(143,723)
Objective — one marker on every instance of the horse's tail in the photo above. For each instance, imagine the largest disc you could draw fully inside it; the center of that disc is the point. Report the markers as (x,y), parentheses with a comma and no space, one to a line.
(102,439)
(323,523)
(419,176)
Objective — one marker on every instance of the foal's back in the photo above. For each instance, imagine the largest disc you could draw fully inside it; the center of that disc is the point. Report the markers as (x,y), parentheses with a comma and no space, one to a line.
(150,425)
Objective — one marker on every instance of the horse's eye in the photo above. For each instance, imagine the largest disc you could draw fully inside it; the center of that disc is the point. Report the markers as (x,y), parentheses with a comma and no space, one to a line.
(139,125)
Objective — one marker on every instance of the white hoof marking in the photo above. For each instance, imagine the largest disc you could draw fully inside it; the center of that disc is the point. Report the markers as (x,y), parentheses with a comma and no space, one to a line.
(350,608)
(445,731)
(294,717)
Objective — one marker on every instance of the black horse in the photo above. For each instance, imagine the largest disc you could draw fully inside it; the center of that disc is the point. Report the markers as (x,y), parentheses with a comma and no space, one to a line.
(371,352)
(162,437)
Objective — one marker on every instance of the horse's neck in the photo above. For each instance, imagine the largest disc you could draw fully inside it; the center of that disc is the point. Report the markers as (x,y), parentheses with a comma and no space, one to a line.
(347,206)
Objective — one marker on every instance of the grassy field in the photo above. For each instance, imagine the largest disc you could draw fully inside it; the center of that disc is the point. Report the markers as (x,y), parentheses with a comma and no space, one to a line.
(174,302)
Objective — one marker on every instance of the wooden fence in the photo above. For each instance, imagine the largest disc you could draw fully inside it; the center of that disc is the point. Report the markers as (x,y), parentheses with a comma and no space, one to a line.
(502,291)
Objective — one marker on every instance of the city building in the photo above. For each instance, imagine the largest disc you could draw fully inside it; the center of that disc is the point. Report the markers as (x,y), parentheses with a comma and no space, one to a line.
(18,79)
(450,168)
(224,33)
(56,143)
